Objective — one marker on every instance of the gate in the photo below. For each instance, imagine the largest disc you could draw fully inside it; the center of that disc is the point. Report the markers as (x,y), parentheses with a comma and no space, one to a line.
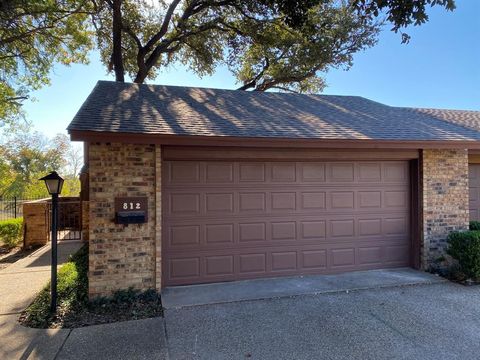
(69,224)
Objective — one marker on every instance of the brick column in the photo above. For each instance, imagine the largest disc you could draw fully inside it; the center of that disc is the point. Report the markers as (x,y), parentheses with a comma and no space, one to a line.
(444,175)
(121,256)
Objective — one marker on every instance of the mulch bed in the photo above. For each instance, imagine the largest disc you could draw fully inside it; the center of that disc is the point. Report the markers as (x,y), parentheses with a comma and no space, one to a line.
(106,313)
(454,275)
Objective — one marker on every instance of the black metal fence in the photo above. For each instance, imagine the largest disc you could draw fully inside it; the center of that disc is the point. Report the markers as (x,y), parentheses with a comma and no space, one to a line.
(11,207)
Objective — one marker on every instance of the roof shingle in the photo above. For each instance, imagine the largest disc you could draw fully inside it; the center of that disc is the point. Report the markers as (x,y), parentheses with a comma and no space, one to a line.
(174,110)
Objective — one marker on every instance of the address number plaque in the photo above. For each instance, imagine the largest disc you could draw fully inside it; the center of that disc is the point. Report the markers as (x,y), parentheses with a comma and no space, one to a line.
(131,204)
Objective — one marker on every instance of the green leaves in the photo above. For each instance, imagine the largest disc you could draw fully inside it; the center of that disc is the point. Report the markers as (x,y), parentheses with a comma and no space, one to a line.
(33,36)
(275,55)
(465,248)
(400,13)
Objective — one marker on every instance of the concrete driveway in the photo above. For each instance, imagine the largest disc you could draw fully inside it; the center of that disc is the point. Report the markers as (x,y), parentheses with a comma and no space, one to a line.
(430,320)
(435,321)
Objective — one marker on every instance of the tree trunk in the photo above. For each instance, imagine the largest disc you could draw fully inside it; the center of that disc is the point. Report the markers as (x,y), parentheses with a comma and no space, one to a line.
(117,58)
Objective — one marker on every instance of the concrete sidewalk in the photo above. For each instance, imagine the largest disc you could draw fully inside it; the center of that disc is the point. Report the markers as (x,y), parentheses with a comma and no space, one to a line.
(19,284)
(21,281)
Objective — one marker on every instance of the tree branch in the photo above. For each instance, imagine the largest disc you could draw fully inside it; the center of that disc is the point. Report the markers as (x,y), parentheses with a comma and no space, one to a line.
(164,28)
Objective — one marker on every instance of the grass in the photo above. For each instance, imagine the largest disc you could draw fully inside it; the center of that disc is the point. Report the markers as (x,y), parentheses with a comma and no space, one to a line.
(74,308)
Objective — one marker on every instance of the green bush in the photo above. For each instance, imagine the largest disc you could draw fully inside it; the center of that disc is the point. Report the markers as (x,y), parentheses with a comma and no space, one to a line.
(465,248)
(11,232)
(474,225)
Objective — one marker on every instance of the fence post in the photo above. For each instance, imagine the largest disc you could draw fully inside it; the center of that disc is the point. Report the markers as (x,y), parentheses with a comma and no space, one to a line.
(15,206)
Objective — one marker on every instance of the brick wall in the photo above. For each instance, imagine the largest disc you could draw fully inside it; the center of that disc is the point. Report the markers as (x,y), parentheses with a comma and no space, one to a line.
(121,256)
(35,223)
(444,175)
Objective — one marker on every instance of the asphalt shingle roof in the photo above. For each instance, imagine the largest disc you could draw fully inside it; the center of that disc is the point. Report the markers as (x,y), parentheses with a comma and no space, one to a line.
(174,110)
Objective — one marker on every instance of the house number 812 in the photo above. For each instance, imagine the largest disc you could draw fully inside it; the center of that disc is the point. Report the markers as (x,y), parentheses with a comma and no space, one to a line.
(131,206)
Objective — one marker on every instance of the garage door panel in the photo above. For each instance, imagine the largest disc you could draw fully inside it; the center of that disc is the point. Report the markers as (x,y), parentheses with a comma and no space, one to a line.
(285,230)
(315,229)
(314,259)
(341,172)
(185,268)
(219,202)
(369,227)
(474,191)
(216,234)
(311,201)
(217,265)
(252,202)
(344,257)
(284,261)
(219,172)
(283,201)
(370,255)
(312,172)
(193,202)
(251,172)
(396,199)
(252,263)
(369,172)
(182,235)
(342,228)
(396,254)
(184,204)
(183,172)
(369,199)
(396,225)
(283,172)
(249,232)
(240,220)
(395,171)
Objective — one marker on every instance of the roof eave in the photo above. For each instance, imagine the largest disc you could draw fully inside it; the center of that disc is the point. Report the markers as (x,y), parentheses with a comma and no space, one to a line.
(197,140)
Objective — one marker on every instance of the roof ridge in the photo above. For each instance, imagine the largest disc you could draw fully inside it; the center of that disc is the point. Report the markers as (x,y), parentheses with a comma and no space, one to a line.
(231,90)
(436,109)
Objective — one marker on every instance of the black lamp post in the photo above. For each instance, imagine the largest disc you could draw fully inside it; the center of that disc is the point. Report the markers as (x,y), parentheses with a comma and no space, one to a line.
(54,184)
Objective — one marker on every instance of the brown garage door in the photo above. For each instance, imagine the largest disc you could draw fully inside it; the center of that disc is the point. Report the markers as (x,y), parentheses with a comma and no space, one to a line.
(240,220)
(474,184)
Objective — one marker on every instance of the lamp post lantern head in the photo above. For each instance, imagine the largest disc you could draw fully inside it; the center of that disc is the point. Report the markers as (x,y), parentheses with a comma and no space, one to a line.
(54,183)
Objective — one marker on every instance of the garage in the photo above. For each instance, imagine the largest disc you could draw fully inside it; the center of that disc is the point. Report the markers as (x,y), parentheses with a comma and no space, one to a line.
(227,220)
(223,185)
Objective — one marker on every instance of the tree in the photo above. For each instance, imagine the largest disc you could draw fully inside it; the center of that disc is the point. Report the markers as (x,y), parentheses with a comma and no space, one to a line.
(267,44)
(283,44)
(35,34)
(74,159)
(26,156)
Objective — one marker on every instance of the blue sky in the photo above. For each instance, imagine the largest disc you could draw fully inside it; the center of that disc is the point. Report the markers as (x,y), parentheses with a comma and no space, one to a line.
(439,68)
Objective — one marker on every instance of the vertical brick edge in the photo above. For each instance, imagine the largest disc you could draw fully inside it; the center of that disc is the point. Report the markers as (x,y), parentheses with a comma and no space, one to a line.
(158,218)
(444,175)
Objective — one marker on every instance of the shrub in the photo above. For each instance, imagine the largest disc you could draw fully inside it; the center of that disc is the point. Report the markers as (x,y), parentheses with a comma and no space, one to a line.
(465,248)
(11,232)
(474,225)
